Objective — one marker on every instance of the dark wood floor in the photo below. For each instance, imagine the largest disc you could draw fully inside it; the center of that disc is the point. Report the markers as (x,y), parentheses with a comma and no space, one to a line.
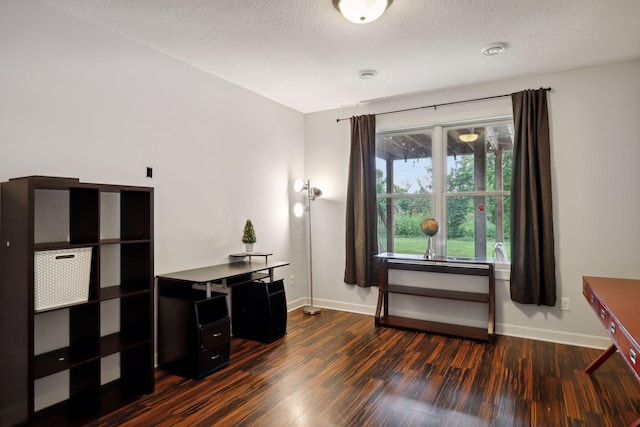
(337,369)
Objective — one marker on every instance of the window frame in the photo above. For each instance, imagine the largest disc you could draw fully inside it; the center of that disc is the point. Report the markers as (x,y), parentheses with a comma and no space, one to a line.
(439,195)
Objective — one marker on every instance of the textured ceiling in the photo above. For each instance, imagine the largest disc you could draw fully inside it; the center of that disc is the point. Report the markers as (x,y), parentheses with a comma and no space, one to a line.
(304,54)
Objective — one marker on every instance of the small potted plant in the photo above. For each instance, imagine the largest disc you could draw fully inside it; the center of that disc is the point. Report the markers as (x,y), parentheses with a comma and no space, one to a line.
(249,236)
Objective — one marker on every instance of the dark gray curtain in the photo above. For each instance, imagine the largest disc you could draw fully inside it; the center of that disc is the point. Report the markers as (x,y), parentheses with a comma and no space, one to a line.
(533,277)
(361,226)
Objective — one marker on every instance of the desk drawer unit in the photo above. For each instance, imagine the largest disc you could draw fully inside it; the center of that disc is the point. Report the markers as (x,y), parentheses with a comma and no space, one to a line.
(609,323)
(214,334)
(595,303)
(215,346)
(599,309)
(630,353)
(213,358)
(193,330)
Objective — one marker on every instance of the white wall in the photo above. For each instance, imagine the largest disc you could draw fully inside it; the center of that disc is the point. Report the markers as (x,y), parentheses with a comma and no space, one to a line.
(78,101)
(595,128)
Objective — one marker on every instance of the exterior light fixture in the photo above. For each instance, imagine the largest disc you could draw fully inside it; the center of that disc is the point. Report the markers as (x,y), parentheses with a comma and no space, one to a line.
(362,11)
(468,137)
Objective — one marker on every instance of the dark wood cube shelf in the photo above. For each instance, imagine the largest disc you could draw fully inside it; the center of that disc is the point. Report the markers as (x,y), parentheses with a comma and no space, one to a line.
(113,325)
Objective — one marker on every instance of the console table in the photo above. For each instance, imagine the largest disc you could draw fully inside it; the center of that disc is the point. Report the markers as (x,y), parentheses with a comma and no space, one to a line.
(448,265)
(194,325)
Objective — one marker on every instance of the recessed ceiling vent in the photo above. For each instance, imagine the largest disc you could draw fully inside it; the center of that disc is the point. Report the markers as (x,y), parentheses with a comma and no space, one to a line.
(494,49)
(367,74)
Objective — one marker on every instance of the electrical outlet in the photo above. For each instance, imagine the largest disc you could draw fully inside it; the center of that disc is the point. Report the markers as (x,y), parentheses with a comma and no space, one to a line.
(149,172)
(564,304)
(293,280)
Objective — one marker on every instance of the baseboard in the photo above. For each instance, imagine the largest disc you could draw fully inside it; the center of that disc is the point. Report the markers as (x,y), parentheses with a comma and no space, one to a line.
(580,340)
(294,305)
(333,305)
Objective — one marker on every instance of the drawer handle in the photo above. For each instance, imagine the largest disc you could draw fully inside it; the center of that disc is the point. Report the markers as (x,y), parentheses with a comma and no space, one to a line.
(613,328)
(602,313)
(632,356)
(215,357)
(217,334)
(592,298)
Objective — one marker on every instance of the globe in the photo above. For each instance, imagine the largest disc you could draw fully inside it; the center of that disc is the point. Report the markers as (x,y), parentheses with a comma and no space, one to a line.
(430,227)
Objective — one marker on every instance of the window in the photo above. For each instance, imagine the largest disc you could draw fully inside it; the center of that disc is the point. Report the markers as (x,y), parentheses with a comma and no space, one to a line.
(459,173)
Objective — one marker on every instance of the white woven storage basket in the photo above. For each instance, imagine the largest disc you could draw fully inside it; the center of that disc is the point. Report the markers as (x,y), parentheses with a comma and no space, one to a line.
(61,277)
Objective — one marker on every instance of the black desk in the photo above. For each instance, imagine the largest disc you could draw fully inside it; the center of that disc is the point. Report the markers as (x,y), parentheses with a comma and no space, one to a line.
(224,274)
(194,325)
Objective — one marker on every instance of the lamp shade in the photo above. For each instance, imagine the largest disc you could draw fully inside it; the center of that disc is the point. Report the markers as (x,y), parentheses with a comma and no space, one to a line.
(298,209)
(315,192)
(361,11)
(298,186)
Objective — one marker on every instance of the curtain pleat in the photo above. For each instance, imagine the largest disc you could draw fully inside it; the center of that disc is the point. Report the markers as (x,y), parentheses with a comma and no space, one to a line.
(533,278)
(361,226)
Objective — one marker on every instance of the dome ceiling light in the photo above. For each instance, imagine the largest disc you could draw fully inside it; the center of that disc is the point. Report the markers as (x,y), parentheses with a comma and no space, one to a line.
(469,137)
(362,11)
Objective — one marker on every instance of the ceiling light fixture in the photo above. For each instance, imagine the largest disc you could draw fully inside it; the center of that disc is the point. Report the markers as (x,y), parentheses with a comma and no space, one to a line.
(494,49)
(362,11)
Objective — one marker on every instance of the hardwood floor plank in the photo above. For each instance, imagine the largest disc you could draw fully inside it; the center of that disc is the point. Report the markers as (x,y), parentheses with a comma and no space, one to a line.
(338,369)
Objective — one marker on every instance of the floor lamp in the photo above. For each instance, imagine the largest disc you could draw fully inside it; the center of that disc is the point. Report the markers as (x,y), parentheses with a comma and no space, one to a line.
(298,210)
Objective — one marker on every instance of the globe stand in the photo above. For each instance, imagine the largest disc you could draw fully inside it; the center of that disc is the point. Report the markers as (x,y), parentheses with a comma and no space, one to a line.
(430,253)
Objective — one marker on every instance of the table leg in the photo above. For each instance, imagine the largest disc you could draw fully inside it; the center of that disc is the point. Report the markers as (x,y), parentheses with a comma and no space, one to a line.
(379,307)
(601,359)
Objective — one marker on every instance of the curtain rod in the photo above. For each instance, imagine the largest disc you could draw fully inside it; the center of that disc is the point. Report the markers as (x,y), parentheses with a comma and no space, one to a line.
(435,106)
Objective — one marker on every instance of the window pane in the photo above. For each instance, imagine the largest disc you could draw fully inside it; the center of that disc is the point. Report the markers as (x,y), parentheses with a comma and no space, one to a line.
(476,224)
(407,215)
(405,159)
(381,214)
(404,174)
(479,158)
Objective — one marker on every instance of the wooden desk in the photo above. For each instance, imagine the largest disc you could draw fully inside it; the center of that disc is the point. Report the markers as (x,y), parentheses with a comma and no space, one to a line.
(449,265)
(615,302)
